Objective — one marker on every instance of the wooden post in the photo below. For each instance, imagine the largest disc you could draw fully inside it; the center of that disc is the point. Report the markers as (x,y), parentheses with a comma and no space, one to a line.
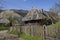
(44,26)
(30,29)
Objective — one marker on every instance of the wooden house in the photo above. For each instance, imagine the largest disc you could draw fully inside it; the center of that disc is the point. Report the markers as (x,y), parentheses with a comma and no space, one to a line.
(34,21)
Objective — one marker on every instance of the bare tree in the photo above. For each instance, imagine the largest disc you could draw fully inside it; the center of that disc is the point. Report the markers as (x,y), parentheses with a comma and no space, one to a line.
(55,8)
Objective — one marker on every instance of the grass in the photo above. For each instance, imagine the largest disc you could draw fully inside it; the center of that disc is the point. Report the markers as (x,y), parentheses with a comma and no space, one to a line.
(53,29)
(14,32)
(3,28)
(28,37)
(24,36)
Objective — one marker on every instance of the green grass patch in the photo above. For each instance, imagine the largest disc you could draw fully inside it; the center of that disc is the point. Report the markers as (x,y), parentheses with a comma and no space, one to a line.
(14,32)
(3,28)
(53,29)
(28,37)
(24,36)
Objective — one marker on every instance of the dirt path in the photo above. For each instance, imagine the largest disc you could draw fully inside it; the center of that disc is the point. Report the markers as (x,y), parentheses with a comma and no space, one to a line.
(4,31)
(5,36)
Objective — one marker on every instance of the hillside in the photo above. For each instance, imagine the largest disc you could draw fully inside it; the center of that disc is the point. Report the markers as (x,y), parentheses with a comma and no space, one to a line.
(21,12)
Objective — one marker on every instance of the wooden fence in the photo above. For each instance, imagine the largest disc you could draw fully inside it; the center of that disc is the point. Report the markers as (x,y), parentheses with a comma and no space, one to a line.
(33,29)
(52,33)
(37,30)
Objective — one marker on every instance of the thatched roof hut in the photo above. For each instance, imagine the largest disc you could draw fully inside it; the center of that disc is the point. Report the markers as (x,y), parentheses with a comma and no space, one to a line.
(51,16)
(34,14)
(44,17)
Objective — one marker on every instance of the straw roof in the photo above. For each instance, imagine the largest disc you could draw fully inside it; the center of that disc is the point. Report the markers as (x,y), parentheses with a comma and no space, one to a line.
(50,15)
(34,14)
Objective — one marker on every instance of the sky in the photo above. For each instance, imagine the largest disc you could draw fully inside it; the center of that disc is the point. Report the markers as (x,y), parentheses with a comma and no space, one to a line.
(28,4)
